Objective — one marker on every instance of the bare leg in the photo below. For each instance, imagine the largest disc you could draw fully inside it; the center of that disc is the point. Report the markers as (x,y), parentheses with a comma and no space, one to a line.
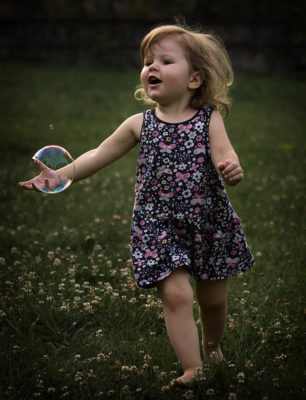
(212,298)
(177,298)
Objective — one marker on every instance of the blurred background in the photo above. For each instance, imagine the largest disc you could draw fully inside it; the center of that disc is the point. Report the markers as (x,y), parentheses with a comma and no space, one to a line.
(262,36)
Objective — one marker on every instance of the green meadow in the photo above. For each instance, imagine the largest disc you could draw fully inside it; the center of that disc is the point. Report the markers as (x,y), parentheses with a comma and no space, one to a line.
(73,323)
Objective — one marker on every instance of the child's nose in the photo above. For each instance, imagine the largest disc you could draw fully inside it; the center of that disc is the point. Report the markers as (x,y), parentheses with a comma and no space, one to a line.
(153,66)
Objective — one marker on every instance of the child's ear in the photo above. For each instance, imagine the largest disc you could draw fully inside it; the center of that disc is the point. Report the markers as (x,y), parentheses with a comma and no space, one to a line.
(196,80)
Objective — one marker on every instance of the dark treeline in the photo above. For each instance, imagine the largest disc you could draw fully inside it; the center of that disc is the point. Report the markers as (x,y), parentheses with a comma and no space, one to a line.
(259,11)
(262,36)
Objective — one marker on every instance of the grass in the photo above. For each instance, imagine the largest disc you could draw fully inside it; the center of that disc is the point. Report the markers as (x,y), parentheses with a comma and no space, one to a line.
(73,323)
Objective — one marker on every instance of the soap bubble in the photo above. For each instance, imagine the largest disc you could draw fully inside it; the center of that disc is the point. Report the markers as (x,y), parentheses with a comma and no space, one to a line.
(49,159)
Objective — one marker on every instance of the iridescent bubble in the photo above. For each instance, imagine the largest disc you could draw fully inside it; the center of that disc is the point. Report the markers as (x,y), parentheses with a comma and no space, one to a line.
(57,169)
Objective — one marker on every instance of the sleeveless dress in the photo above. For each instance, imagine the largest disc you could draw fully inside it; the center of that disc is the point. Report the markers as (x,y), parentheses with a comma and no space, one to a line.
(182,215)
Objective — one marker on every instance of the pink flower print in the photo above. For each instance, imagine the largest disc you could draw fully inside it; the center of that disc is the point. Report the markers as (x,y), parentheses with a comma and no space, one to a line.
(182,177)
(198,199)
(150,253)
(218,235)
(137,232)
(232,262)
(163,170)
(165,196)
(184,128)
(167,148)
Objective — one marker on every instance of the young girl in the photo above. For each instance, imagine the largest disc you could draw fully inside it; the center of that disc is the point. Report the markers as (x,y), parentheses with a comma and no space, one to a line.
(183,223)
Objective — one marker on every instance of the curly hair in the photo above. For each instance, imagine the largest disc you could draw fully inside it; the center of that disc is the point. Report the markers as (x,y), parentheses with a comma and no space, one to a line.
(206,54)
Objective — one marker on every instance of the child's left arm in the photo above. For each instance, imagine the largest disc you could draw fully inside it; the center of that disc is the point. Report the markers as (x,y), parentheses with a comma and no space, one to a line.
(223,155)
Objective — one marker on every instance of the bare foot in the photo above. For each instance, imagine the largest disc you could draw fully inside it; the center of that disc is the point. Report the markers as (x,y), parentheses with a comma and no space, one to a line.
(189,376)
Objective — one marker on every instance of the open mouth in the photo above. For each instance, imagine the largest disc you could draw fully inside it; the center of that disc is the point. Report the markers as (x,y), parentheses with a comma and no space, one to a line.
(153,80)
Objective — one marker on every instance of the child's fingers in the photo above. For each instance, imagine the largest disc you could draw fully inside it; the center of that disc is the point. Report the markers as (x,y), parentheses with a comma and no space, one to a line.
(230,167)
(39,164)
(233,172)
(221,166)
(26,185)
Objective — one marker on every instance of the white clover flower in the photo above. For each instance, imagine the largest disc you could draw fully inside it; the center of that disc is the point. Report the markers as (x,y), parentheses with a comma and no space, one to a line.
(241,377)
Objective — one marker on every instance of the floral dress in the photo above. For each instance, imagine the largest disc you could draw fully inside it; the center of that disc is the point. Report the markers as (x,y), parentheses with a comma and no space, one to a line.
(182,215)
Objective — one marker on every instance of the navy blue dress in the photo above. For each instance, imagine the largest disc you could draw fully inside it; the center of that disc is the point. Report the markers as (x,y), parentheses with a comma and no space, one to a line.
(182,215)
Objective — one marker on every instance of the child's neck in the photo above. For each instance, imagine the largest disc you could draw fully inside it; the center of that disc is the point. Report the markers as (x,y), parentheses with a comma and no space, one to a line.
(174,114)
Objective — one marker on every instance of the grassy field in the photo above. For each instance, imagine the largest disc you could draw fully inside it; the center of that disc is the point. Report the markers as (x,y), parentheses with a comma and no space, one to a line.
(73,323)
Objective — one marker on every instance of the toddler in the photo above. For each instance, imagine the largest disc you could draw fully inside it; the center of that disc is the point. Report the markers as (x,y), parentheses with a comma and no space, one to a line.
(183,224)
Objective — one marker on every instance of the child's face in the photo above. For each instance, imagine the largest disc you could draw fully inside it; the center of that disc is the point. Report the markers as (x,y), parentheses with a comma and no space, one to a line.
(166,74)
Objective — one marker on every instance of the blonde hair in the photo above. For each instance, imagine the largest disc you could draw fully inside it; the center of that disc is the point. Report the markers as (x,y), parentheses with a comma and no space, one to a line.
(206,54)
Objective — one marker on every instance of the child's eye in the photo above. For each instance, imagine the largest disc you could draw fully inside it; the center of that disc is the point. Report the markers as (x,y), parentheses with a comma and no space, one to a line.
(166,62)
(147,63)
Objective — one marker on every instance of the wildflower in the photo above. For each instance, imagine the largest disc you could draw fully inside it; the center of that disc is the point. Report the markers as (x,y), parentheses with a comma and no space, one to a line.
(231,324)
(241,377)
(288,337)
(232,396)
(163,376)
(210,392)
(164,389)
(91,374)
(147,357)
(275,382)
(2,261)
(14,250)
(249,364)
(188,395)
(101,357)
(57,262)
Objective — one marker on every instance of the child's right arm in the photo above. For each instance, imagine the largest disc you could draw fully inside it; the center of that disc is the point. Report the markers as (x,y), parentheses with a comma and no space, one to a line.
(111,149)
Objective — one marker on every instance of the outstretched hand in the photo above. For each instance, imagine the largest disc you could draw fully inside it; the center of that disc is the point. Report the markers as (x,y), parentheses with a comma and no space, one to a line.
(231,172)
(47,179)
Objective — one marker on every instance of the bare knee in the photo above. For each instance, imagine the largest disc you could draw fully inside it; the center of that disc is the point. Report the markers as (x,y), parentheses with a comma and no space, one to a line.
(176,294)
(175,299)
